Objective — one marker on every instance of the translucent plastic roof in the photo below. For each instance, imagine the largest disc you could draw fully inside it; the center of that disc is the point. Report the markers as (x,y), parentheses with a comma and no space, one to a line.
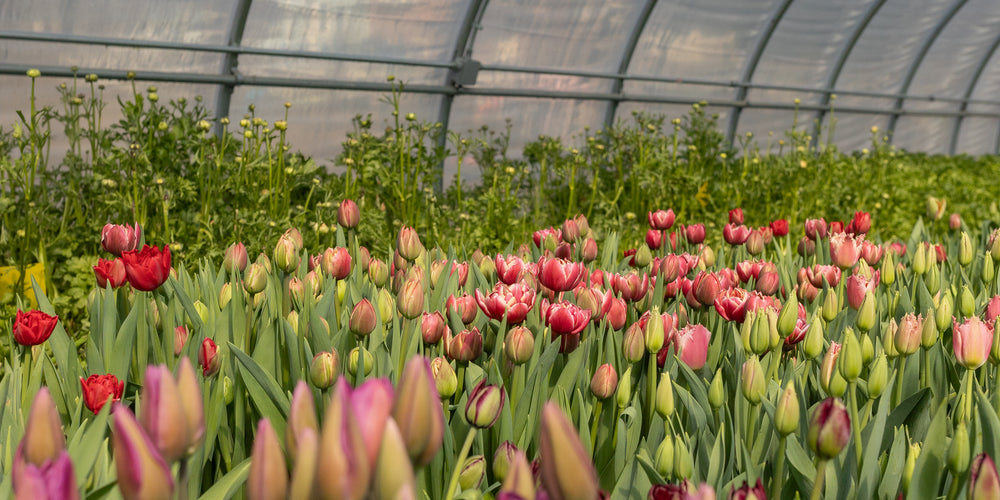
(925,72)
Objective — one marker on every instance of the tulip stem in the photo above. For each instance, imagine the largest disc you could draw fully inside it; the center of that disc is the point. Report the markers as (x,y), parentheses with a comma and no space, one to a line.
(593,426)
(817,493)
(897,390)
(855,423)
(970,379)
(647,409)
(182,480)
(779,474)
(453,483)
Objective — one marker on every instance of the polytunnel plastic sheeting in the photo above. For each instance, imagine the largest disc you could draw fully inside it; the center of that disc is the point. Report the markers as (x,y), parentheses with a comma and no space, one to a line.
(923,133)
(853,131)
(319,120)
(978,136)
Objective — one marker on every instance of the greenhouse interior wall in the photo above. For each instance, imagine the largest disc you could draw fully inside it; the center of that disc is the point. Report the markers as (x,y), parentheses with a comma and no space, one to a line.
(924,72)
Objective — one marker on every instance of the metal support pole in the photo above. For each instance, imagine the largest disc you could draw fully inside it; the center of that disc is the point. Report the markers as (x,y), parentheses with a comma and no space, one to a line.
(229,63)
(626,59)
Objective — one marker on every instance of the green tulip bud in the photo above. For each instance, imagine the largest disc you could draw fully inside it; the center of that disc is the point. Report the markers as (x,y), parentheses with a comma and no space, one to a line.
(933,278)
(643,256)
(445,379)
(966,302)
(837,385)
(503,458)
(850,362)
(654,331)
(634,343)
(867,350)
(753,382)
(747,330)
(812,345)
(665,456)
(225,295)
(945,309)
(878,377)
(965,249)
(717,391)
(911,462)
(786,413)
(473,472)
(760,337)
(888,271)
(256,278)
(959,451)
(773,337)
(386,306)
(989,271)
(831,305)
(929,332)
(920,258)
(324,369)
(829,428)
(866,313)
(995,347)
(665,396)
(683,464)
(353,359)
(623,396)
(227,390)
(789,316)
(889,339)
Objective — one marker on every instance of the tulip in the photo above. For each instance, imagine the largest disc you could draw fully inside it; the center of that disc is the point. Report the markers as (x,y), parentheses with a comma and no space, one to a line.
(110,271)
(706,287)
(484,405)
(560,275)
(567,472)
(513,302)
(634,343)
(943,314)
(845,250)
(408,243)
(731,304)
(372,403)
(393,472)
(815,228)
(857,285)
(746,492)
(324,368)
(589,251)
(464,347)
(33,327)
(286,254)
(735,234)
(623,395)
(736,216)
(664,405)
(301,416)
(654,331)
(786,413)
(695,233)
(829,428)
(356,357)
(753,383)
(519,482)
(929,332)
(52,480)
(162,415)
(661,220)
(972,341)
(363,319)
(519,344)
(117,239)
(604,382)
(235,258)
(410,302)
(256,279)
(208,357)
(566,320)
(614,309)
(378,272)
(958,451)
(417,411)
(983,479)
(632,286)
(691,344)
(143,474)
(829,366)
(665,456)
(867,314)
(445,379)
(348,214)
(654,239)
(935,207)
(342,468)
(569,231)
(878,377)
(336,262)
(432,326)
(267,478)
(99,389)
(806,247)
(717,390)
(43,440)
(779,227)
(755,242)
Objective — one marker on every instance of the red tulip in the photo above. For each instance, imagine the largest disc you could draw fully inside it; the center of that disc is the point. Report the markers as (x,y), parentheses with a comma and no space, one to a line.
(560,275)
(432,327)
(845,250)
(513,302)
(897,248)
(99,389)
(462,270)
(799,333)
(661,220)
(545,238)
(589,251)
(570,231)
(337,262)
(779,227)
(745,492)
(148,268)
(464,305)
(613,309)
(767,283)
(117,239)
(695,233)
(815,228)
(766,234)
(731,304)
(632,286)
(110,271)
(654,239)
(736,216)
(861,223)
(735,234)
(464,347)
(836,227)
(706,287)
(566,318)
(348,214)
(208,357)
(971,342)
(33,327)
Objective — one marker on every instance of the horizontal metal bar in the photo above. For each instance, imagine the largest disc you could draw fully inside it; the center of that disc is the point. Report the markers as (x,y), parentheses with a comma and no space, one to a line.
(196,78)
(214,48)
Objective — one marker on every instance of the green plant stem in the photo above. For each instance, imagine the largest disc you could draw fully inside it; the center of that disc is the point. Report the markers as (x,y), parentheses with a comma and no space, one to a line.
(593,426)
(647,409)
(855,423)
(453,483)
(897,390)
(751,424)
(817,493)
(778,480)
(925,368)
(970,380)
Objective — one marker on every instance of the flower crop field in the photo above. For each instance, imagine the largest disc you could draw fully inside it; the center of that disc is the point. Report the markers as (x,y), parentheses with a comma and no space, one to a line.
(648,315)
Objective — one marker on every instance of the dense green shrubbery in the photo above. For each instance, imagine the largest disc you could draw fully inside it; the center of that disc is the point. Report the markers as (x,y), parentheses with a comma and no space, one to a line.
(162,166)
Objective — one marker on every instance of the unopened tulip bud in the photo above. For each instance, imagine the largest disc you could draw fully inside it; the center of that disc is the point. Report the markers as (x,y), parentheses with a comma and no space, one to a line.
(888,270)
(683,463)
(589,251)
(408,243)
(965,252)
(643,256)
(301,416)
(519,344)
(354,360)
(634,342)
(623,395)
(484,405)
(519,482)
(912,453)
(995,345)
(654,334)
(297,292)
(920,259)
(812,346)
(878,377)
(989,271)
(665,456)
(418,412)
(604,382)
(268,476)
(829,428)
(235,258)
(984,481)
(343,468)
(752,382)
(348,214)
(966,302)
(305,458)
(225,295)
(717,391)
(929,331)
(43,439)
(789,316)
(567,471)
(208,357)
(473,472)
(256,279)
(706,256)
(410,302)
(943,313)
(386,306)
(362,321)
(378,272)
(866,313)
(933,279)
(162,414)
(465,347)
(755,242)
(786,413)
(958,451)
(286,255)
(760,336)
(867,350)
(889,339)
(831,305)
(445,379)
(665,396)
(142,471)
(503,459)
(850,361)
(324,369)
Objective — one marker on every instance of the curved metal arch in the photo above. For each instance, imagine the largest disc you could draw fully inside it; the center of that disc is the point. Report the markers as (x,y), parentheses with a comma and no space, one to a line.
(626,59)
(911,73)
(838,67)
(980,68)
(235,38)
(751,65)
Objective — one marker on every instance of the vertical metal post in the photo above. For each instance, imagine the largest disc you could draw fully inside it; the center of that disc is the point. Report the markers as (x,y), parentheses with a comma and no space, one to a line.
(626,59)
(235,38)
(751,65)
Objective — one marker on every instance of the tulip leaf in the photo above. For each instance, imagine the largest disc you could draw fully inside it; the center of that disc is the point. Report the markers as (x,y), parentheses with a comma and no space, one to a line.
(264,391)
(873,432)
(86,444)
(109,327)
(927,473)
(695,410)
(990,424)
(189,308)
(533,388)
(889,485)
(225,487)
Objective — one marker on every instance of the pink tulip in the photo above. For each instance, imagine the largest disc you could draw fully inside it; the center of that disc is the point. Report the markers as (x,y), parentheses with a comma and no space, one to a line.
(116,239)
(971,342)
(695,233)
(661,220)
(268,475)
(560,275)
(691,345)
(143,474)
(372,404)
(53,480)
(513,302)
(735,234)
(845,250)
(857,285)
(731,304)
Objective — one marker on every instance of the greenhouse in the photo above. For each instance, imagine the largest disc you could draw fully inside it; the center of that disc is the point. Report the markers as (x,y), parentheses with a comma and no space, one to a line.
(499,250)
